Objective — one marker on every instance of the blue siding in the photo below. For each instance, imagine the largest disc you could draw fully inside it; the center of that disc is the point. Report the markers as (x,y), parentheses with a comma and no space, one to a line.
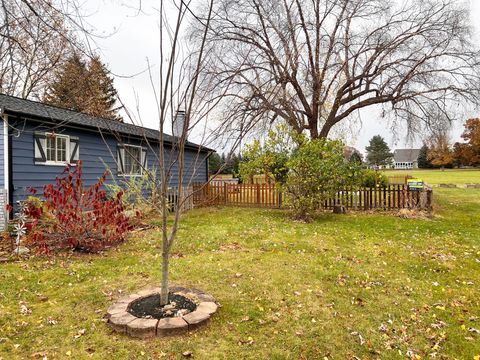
(95,152)
(2,156)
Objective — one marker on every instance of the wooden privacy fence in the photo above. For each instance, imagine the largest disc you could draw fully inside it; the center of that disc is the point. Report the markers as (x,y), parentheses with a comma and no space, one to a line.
(186,201)
(268,196)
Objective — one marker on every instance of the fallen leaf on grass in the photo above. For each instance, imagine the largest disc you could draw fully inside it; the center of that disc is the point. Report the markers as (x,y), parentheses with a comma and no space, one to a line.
(40,354)
(233,247)
(51,321)
(245,319)
(80,333)
(360,337)
(24,310)
(249,341)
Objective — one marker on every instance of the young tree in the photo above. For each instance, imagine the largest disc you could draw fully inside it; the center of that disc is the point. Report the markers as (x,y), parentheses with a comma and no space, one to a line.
(378,152)
(422,160)
(314,64)
(177,89)
(468,153)
(84,87)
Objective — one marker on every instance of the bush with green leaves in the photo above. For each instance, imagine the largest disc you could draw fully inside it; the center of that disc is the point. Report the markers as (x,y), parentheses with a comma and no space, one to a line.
(269,159)
(140,192)
(317,171)
(374,179)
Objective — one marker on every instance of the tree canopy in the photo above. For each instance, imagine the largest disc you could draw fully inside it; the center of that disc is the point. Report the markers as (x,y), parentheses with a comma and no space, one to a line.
(422,160)
(84,86)
(35,38)
(314,64)
(378,152)
(440,152)
(468,153)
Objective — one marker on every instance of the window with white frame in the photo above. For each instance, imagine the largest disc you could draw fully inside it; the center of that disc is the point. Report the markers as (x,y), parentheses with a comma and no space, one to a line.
(131,160)
(57,148)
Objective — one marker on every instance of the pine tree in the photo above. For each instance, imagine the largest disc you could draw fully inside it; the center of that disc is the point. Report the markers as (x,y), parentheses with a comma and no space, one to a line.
(378,152)
(356,157)
(84,87)
(68,88)
(422,160)
(102,94)
(214,163)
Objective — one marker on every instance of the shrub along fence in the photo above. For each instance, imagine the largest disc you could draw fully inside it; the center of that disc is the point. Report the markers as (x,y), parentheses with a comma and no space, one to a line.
(399,179)
(392,197)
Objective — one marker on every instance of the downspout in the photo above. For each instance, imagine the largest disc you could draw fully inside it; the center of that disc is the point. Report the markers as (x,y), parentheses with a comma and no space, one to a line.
(6,161)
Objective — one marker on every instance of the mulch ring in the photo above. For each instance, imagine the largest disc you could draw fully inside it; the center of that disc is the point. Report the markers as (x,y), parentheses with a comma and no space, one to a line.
(138,315)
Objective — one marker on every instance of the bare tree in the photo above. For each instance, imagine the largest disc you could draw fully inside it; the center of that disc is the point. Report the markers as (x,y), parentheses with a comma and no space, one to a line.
(315,63)
(177,100)
(35,37)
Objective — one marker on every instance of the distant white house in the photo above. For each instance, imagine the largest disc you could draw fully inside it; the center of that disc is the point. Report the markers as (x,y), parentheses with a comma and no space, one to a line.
(406,158)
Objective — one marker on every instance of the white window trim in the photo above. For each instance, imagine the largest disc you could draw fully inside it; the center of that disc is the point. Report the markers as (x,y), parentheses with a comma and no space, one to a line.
(125,154)
(67,149)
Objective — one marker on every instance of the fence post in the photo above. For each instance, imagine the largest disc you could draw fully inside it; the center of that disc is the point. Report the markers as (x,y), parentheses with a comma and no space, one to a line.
(430,199)
(225,192)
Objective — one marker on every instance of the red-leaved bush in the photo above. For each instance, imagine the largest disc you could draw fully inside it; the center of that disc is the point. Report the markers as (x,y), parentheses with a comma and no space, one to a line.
(74,217)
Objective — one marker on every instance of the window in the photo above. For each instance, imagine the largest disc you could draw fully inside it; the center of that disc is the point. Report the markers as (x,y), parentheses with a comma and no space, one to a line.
(55,149)
(131,160)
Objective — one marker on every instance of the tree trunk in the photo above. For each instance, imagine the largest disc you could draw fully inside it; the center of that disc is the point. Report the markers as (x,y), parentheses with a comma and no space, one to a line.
(164,290)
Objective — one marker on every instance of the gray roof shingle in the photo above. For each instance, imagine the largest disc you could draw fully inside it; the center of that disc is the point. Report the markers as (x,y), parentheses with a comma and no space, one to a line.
(15,105)
(405,155)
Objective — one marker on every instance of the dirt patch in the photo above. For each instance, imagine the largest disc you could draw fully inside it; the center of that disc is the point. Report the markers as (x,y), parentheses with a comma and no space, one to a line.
(230,247)
(149,308)
(415,214)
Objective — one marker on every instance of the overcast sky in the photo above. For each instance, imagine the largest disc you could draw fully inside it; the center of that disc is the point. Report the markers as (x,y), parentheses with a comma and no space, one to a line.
(132,37)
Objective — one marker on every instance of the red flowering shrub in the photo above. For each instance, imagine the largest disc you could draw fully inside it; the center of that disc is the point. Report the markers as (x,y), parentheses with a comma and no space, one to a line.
(74,217)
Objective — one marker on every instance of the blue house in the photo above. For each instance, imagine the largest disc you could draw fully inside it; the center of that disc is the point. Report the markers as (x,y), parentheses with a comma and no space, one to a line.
(39,140)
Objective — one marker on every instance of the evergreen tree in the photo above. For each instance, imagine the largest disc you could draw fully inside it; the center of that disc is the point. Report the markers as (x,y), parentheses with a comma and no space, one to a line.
(378,152)
(214,163)
(102,94)
(356,157)
(67,90)
(422,160)
(84,87)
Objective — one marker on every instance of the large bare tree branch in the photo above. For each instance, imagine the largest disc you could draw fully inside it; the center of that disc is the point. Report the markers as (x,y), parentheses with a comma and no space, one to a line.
(315,63)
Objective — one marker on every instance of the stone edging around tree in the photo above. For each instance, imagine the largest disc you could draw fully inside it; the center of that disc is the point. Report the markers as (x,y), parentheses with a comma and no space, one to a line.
(123,322)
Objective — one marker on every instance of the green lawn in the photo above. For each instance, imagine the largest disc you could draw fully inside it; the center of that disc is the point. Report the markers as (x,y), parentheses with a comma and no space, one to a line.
(367,286)
(435,177)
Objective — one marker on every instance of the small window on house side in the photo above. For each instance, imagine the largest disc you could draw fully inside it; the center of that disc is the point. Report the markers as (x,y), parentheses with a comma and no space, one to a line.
(57,148)
(131,160)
